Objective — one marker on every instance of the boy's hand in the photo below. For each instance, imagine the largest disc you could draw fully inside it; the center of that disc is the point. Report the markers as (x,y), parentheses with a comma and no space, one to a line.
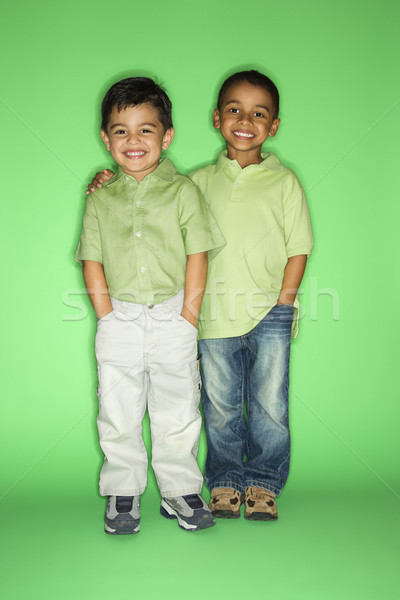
(292,277)
(189,316)
(99,179)
(96,286)
(195,283)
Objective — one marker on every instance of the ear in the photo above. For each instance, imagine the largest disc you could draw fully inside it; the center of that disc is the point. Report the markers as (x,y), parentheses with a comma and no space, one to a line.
(168,137)
(216,119)
(105,139)
(274,127)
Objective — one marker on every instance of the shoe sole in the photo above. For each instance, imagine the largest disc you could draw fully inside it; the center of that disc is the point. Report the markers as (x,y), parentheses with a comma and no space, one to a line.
(260,516)
(169,513)
(225,514)
(122,528)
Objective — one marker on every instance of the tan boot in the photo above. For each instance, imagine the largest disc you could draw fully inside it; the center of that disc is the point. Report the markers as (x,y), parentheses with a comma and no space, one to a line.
(225,503)
(260,505)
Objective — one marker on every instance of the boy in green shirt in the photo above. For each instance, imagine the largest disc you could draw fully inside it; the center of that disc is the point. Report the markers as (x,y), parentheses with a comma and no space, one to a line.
(250,308)
(143,248)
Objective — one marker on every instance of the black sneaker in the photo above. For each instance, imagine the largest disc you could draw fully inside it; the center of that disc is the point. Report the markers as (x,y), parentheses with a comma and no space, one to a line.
(191,511)
(122,515)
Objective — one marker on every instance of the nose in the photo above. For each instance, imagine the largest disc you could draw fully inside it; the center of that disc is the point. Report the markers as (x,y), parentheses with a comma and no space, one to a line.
(244,117)
(133,139)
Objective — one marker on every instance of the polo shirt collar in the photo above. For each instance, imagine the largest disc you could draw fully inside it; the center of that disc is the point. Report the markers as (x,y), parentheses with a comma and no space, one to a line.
(222,161)
(270,162)
(165,171)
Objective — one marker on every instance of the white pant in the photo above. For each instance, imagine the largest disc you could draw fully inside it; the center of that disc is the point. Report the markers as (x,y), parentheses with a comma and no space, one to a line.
(148,356)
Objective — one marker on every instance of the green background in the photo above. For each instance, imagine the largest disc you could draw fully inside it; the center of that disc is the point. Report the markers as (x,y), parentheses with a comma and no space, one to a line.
(336,66)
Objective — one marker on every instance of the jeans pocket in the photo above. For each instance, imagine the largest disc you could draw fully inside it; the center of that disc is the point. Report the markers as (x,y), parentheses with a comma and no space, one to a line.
(279,319)
(283,312)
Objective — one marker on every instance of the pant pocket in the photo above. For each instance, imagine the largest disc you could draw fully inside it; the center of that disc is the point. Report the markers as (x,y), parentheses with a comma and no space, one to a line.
(196,380)
(106,317)
(187,324)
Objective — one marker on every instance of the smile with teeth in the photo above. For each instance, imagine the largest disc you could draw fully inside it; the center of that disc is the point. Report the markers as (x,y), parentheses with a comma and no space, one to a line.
(137,154)
(244,135)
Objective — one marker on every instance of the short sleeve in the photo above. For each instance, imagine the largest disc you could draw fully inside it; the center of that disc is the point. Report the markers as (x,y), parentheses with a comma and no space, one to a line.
(296,221)
(199,229)
(89,247)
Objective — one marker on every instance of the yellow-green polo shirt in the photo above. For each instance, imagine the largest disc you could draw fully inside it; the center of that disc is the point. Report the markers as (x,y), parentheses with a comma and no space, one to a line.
(263,215)
(142,233)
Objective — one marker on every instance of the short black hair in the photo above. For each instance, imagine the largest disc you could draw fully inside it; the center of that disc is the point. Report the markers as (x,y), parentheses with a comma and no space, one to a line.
(132,92)
(255,78)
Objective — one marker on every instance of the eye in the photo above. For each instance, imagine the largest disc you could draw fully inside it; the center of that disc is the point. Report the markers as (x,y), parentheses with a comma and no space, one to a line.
(145,131)
(258,114)
(120,132)
(234,110)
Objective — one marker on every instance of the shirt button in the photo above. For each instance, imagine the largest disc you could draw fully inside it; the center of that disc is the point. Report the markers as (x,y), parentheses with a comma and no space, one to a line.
(139,234)
(126,178)
(239,183)
(138,203)
(142,269)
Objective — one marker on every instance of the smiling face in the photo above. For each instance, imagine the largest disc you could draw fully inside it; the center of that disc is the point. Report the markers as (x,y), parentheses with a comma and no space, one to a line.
(135,137)
(246,119)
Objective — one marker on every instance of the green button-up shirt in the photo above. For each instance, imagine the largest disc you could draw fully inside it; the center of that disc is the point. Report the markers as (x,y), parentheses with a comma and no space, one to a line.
(142,233)
(263,215)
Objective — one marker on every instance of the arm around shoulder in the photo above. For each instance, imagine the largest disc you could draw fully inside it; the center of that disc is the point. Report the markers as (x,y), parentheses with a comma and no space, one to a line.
(99,179)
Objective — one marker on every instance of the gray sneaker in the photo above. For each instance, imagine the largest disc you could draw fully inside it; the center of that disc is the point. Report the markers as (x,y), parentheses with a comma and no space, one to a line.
(122,515)
(191,511)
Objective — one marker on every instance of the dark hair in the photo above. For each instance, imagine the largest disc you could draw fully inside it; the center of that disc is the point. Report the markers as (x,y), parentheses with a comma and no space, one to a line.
(256,79)
(132,92)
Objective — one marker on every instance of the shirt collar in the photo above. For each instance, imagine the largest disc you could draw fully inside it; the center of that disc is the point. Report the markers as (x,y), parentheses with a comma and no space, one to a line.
(270,162)
(165,171)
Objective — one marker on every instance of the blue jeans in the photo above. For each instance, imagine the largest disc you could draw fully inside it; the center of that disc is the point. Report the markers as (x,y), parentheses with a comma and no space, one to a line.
(252,368)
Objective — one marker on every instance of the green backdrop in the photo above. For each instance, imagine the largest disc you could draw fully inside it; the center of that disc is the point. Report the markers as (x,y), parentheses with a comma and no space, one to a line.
(336,66)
